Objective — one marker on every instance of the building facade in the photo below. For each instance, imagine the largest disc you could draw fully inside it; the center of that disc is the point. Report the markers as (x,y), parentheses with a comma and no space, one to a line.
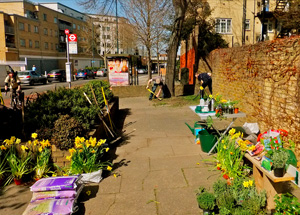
(35,34)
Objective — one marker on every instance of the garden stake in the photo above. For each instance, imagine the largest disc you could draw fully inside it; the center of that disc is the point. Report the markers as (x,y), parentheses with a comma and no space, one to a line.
(99,116)
(107,109)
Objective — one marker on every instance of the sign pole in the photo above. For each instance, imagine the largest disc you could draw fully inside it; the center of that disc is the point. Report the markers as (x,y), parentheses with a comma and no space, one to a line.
(68,64)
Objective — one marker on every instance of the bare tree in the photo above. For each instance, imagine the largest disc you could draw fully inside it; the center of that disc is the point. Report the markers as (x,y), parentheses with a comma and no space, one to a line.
(147,16)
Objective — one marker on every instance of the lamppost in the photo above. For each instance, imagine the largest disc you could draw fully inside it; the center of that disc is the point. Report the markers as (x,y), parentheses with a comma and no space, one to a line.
(117,26)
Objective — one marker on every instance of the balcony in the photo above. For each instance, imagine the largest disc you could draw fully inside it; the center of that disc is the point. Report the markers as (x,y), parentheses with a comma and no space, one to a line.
(10,45)
(64,27)
(9,30)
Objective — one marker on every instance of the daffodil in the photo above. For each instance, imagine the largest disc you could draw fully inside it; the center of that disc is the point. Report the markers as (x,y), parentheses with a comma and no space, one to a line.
(69,157)
(72,150)
(35,142)
(2,147)
(224,101)
(80,151)
(93,141)
(210,96)
(24,147)
(224,146)
(54,175)
(34,135)
(82,139)
(246,183)
(231,132)
(87,143)
(250,183)
(77,140)
(201,88)
(115,175)
(107,149)
(29,142)
(13,138)
(109,168)
(40,149)
(223,141)
(18,141)
(93,151)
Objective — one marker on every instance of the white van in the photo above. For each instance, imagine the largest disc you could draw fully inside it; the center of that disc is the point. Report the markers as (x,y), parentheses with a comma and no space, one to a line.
(4,70)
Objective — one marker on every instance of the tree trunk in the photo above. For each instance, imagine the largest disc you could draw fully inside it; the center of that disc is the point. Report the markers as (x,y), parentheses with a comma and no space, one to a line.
(180,10)
(149,63)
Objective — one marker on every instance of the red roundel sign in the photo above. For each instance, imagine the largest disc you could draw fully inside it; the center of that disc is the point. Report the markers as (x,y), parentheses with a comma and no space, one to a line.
(72,38)
(67,31)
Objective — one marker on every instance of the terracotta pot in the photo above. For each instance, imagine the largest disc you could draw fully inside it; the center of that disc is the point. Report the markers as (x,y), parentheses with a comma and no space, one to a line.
(18,181)
(236,110)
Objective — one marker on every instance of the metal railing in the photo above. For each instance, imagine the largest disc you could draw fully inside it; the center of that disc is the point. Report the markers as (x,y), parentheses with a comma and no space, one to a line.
(9,30)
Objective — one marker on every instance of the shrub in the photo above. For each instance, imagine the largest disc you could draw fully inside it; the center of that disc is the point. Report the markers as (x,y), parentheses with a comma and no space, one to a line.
(65,130)
(206,200)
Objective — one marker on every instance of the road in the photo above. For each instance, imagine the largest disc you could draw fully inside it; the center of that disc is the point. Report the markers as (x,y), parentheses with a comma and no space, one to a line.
(39,88)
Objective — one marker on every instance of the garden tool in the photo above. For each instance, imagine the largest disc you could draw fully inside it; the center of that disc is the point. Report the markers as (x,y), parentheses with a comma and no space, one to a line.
(154,94)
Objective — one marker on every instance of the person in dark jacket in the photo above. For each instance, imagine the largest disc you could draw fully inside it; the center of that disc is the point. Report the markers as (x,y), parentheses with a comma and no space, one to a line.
(205,81)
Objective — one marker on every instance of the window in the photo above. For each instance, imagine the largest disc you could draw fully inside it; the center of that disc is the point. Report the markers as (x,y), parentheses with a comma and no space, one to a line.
(36,29)
(45,17)
(21,26)
(45,31)
(74,26)
(22,43)
(51,32)
(108,45)
(30,43)
(51,46)
(46,45)
(270,27)
(36,44)
(56,46)
(108,28)
(78,27)
(103,28)
(103,36)
(79,38)
(56,33)
(107,36)
(55,20)
(29,28)
(223,26)
(247,24)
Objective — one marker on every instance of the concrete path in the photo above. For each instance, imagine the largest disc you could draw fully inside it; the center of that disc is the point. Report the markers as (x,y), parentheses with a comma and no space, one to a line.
(159,167)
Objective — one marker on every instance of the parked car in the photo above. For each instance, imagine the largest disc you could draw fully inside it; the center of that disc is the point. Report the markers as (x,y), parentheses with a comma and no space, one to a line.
(57,75)
(102,72)
(31,77)
(84,73)
(142,71)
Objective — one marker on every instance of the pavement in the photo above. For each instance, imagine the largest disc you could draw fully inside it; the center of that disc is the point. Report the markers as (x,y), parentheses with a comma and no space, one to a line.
(158,167)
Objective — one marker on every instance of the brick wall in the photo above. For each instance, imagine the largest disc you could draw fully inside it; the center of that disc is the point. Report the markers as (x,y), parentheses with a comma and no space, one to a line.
(265,78)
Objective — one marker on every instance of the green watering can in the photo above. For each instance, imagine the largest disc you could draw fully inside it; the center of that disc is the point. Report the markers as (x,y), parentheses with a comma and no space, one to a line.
(198,126)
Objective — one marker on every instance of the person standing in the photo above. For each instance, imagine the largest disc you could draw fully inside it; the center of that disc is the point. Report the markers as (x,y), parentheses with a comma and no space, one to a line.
(156,82)
(205,81)
(33,68)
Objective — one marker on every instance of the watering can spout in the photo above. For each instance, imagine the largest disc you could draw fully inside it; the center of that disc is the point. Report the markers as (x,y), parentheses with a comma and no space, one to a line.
(192,129)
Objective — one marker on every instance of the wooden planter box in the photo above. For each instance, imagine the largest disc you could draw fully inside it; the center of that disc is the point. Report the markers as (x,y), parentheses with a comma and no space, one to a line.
(59,156)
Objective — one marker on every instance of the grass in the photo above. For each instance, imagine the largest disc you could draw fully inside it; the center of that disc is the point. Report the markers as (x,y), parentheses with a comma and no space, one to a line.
(178,101)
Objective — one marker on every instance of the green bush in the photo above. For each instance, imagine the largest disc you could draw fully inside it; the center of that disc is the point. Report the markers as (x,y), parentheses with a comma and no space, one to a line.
(206,200)
(44,111)
(65,130)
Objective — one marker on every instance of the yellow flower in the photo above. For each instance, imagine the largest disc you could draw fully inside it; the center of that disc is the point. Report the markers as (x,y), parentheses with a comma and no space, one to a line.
(40,149)
(210,96)
(54,175)
(107,149)
(18,141)
(246,183)
(198,163)
(34,135)
(93,151)
(88,192)
(223,100)
(77,140)
(35,142)
(251,148)
(87,143)
(29,142)
(82,139)
(219,165)
(13,138)
(24,147)
(250,183)
(72,150)
(224,146)
(79,146)
(69,157)
(2,147)
(232,131)
(8,142)
(201,88)
(93,141)
(115,175)
(109,168)
(235,136)
(80,150)
(100,142)
(231,153)
(223,141)
(65,174)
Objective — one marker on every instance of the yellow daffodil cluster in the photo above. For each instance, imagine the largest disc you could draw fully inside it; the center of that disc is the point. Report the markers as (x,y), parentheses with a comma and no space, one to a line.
(86,145)
(248,183)
(244,145)
(11,141)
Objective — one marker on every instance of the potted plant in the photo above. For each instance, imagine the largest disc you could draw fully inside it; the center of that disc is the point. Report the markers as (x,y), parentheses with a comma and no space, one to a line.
(18,168)
(206,201)
(279,158)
